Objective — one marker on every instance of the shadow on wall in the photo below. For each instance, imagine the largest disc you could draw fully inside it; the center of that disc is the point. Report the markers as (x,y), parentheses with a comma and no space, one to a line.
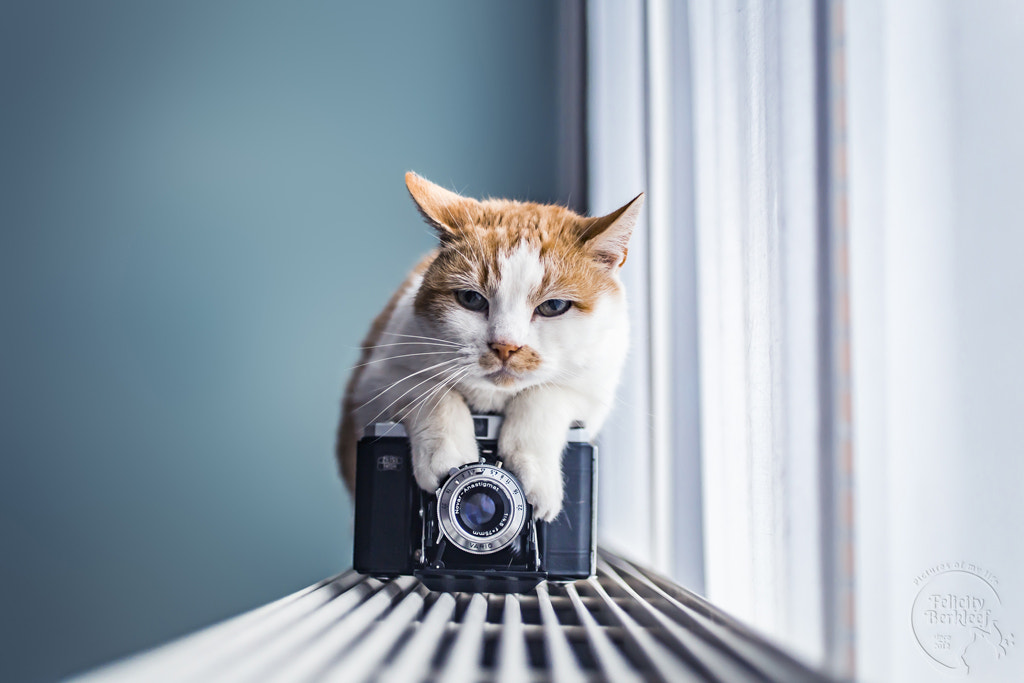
(202,208)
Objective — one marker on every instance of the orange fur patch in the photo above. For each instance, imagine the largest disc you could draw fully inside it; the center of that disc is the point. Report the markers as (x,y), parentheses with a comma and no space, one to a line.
(524,360)
(487,230)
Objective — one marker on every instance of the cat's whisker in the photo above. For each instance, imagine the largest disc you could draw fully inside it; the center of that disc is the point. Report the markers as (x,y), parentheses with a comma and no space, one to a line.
(453,378)
(423,337)
(372,347)
(433,391)
(415,343)
(417,336)
(459,252)
(620,401)
(455,381)
(396,418)
(451,216)
(404,413)
(391,428)
(441,398)
(404,355)
(565,373)
(427,395)
(406,392)
(409,376)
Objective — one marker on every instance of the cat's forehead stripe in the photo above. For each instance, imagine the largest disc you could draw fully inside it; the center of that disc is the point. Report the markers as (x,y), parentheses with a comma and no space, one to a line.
(539,265)
(520,272)
(534,250)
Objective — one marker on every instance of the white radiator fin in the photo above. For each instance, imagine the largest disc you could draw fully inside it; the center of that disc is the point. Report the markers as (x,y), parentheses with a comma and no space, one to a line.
(625,625)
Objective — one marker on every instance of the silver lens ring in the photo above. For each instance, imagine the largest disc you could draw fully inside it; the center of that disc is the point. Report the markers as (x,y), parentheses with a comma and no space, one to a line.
(481,477)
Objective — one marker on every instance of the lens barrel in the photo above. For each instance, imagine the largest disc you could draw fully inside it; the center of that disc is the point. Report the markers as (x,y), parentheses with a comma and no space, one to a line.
(481,508)
(482,511)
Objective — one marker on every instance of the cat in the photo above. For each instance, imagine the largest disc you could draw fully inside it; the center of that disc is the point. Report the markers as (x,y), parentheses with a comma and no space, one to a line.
(519,311)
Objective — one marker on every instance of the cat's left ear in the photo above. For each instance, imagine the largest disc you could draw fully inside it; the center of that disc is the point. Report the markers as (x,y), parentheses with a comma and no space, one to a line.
(446,211)
(607,237)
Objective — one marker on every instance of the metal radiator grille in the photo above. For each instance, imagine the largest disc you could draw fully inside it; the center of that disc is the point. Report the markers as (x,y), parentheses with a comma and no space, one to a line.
(625,625)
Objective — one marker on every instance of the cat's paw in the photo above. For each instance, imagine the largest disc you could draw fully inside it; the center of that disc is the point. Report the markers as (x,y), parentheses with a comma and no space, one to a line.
(433,458)
(542,484)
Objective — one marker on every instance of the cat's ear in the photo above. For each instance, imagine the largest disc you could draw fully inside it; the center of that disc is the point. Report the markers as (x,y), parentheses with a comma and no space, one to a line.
(446,211)
(607,237)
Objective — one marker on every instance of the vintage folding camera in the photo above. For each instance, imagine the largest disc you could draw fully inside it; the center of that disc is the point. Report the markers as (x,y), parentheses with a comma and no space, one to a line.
(477,531)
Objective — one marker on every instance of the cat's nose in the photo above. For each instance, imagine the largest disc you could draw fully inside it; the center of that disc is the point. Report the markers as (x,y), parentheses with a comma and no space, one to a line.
(504,351)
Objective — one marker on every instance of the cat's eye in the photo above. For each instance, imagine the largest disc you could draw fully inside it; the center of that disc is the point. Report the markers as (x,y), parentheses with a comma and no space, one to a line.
(553,307)
(474,301)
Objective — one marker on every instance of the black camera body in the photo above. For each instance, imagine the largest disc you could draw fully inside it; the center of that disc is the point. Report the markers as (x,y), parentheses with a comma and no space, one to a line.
(476,533)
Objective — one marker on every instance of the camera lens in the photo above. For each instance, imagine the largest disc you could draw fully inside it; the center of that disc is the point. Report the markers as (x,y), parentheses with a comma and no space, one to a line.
(481,510)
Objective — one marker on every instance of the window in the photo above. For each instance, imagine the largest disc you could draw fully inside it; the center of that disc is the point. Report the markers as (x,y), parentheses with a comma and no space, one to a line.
(716,112)
(823,290)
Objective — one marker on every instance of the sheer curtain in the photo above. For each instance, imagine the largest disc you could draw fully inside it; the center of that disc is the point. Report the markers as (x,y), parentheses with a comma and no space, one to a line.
(820,425)
(650,479)
(713,468)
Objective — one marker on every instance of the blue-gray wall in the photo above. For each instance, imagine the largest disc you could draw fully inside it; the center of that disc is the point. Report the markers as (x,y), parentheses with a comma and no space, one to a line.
(201,208)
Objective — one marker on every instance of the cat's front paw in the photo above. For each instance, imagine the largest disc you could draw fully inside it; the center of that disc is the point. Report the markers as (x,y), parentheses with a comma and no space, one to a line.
(433,458)
(542,484)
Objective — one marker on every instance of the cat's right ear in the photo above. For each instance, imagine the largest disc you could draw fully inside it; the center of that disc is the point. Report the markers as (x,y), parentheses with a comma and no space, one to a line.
(608,236)
(446,211)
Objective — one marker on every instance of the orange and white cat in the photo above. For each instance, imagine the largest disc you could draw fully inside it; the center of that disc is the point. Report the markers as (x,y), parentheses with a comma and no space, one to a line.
(520,311)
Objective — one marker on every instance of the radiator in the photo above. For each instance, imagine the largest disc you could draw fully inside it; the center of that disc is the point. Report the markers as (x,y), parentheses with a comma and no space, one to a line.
(626,624)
